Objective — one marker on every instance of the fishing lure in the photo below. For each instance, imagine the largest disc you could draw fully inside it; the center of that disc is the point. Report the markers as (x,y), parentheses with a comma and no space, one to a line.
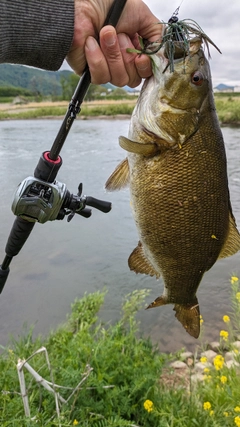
(176,40)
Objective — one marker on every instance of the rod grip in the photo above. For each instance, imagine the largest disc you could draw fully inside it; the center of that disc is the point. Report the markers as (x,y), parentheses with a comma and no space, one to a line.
(18,236)
(3,277)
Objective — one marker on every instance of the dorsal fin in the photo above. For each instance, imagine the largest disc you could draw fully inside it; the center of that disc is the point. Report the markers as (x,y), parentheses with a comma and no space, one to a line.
(145,149)
(119,178)
(232,244)
(140,264)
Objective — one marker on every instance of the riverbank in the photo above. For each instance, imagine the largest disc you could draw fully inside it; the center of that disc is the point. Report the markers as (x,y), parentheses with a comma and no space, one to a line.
(228,109)
(95,375)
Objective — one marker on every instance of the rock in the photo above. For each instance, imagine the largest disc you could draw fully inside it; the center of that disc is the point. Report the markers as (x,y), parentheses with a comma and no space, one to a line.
(178,364)
(215,346)
(209,354)
(199,366)
(186,355)
(230,355)
(231,363)
(197,377)
(236,344)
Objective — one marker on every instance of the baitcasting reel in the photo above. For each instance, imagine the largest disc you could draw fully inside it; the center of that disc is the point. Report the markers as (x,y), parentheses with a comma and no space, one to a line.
(38,201)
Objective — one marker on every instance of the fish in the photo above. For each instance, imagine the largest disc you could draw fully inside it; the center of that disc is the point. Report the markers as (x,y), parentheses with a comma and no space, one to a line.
(176,169)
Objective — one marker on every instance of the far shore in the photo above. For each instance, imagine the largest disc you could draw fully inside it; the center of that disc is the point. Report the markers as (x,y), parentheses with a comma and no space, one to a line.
(228,110)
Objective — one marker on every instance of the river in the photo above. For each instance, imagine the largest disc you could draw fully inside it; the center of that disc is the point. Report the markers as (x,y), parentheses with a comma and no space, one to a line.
(61,261)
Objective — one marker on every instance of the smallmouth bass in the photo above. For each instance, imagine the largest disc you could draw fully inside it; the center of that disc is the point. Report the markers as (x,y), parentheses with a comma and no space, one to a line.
(177,172)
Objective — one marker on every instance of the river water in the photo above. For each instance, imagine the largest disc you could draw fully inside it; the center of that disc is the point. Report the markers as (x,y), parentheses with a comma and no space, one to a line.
(61,261)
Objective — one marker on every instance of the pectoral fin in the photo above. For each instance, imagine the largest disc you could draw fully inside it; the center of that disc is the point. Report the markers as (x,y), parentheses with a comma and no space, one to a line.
(140,264)
(119,178)
(144,149)
(232,244)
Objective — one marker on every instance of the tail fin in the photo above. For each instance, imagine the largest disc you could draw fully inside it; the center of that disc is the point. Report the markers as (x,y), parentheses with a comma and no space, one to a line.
(189,316)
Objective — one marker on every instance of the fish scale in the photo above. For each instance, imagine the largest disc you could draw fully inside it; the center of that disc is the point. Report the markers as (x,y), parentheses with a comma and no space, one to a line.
(177,173)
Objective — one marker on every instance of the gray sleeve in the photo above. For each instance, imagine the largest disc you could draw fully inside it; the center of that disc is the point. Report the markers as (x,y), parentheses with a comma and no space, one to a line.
(36,32)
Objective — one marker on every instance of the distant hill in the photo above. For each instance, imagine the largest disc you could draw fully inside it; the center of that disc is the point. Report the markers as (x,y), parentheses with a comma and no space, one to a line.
(42,82)
(34,79)
(222,87)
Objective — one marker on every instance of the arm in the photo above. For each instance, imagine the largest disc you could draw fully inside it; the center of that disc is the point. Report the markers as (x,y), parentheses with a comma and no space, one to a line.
(36,32)
(41,33)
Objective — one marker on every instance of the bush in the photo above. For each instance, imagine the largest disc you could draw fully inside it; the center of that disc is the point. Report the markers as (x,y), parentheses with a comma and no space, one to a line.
(125,370)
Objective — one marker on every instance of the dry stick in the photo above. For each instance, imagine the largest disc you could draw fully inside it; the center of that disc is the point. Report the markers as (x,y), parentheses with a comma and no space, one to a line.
(23,363)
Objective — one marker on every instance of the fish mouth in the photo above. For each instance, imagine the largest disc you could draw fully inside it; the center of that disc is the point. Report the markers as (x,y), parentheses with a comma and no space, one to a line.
(175,50)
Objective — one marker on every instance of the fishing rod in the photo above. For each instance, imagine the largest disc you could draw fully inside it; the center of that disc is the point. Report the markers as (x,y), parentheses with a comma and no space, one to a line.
(40,198)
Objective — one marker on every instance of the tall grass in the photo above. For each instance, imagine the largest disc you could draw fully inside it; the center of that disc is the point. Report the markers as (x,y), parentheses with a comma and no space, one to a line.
(39,112)
(126,386)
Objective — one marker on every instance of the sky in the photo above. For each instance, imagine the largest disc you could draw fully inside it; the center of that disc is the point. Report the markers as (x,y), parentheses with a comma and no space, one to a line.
(220,20)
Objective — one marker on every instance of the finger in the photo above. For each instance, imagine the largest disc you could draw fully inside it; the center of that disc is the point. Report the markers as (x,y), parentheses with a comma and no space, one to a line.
(112,52)
(129,60)
(97,63)
(137,66)
(144,66)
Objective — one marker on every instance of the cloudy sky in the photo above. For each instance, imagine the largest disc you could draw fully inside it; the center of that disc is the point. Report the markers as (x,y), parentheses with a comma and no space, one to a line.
(220,20)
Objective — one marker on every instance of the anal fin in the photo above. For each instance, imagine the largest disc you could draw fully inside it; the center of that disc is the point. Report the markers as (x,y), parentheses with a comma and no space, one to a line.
(140,264)
(142,148)
(232,244)
(119,178)
(157,303)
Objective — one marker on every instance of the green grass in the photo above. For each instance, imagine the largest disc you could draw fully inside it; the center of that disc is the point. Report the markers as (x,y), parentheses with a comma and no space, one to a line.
(118,360)
(105,110)
(124,387)
(228,110)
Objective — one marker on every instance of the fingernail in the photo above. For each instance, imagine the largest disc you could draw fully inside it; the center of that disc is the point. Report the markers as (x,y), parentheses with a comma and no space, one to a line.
(91,44)
(123,41)
(109,38)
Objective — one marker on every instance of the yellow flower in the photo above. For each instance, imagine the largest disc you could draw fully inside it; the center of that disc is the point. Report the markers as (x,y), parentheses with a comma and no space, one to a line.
(211,413)
(234,279)
(223,379)
(237,421)
(206,370)
(238,296)
(224,335)
(237,409)
(207,406)
(201,319)
(226,319)
(148,405)
(225,414)
(203,359)
(218,362)
(75,423)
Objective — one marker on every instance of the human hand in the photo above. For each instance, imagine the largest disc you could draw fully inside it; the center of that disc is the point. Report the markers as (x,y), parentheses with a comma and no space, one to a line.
(109,60)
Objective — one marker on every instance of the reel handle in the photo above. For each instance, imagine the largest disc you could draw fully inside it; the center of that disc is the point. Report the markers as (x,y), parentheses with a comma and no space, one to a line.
(101,205)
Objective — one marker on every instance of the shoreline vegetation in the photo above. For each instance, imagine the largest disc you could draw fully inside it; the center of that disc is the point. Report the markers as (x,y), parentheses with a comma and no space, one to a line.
(228,109)
(91,374)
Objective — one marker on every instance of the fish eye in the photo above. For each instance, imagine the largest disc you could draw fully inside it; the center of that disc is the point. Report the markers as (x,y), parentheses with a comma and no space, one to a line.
(197,78)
